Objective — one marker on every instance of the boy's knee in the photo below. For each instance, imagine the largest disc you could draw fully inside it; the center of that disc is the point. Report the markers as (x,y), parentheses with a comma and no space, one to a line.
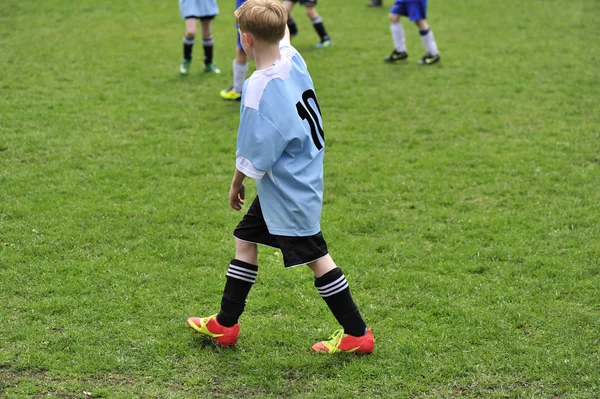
(311,12)
(422,24)
(394,18)
(244,247)
(246,252)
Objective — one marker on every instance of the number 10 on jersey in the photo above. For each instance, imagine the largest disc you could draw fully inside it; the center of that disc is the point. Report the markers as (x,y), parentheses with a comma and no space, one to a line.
(306,112)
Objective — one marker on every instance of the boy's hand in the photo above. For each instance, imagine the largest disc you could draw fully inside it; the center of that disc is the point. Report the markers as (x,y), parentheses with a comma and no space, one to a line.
(237,193)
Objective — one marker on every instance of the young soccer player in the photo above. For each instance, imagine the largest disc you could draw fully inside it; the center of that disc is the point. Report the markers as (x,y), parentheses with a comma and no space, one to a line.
(311,13)
(416,11)
(240,68)
(205,11)
(280,144)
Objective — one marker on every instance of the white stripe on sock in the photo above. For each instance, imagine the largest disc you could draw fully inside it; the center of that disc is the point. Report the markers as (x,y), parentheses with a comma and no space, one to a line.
(238,277)
(337,291)
(326,286)
(252,273)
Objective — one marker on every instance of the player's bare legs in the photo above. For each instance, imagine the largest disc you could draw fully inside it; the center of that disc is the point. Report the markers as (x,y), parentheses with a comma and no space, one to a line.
(246,252)
(311,12)
(322,266)
(208,44)
(188,45)
(422,24)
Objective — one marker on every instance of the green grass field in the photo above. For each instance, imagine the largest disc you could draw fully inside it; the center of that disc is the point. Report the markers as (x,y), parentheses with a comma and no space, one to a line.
(461,200)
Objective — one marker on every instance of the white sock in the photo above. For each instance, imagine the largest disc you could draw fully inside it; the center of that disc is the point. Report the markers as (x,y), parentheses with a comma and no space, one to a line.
(239,75)
(398,37)
(429,43)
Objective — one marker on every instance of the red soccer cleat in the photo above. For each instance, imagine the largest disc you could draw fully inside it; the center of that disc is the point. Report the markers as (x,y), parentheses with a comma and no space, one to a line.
(341,342)
(210,327)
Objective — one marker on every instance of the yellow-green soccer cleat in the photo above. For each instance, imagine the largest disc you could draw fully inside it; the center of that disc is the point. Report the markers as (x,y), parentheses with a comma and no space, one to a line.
(341,342)
(396,56)
(210,327)
(429,59)
(211,68)
(324,43)
(231,95)
(184,68)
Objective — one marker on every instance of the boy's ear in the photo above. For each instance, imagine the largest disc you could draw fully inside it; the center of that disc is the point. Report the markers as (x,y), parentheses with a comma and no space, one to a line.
(249,38)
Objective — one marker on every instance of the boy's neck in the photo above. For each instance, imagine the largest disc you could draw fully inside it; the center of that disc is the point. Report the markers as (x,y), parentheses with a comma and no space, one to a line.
(265,55)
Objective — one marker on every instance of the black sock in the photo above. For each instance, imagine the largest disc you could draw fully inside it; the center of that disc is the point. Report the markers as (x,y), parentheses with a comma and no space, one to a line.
(188,46)
(208,50)
(334,289)
(320,28)
(240,277)
(291,23)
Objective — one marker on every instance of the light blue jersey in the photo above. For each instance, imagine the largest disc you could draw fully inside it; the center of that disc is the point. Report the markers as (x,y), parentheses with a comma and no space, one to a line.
(280,144)
(198,8)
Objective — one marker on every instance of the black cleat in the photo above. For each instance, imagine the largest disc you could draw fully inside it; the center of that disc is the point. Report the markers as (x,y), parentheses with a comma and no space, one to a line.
(396,56)
(375,3)
(429,59)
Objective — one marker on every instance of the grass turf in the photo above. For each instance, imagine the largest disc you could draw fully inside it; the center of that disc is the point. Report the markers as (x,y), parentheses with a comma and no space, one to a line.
(462,202)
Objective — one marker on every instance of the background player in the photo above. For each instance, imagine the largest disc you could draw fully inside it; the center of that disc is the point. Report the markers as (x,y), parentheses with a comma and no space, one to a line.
(240,68)
(280,144)
(205,11)
(416,11)
(311,12)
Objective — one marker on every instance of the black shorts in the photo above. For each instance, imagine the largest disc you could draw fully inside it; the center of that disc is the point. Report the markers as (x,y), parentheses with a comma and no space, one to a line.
(296,250)
(206,18)
(305,2)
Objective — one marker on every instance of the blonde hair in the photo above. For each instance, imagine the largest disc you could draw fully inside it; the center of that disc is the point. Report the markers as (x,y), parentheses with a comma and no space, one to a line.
(265,19)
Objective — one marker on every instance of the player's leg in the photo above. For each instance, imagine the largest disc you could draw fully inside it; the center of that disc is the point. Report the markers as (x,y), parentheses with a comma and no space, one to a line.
(317,21)
(240,68)
(208,44)
(375,3)
(188,45)
(241,276)
(397,30)
(432,54)
(334,289)
(291,22)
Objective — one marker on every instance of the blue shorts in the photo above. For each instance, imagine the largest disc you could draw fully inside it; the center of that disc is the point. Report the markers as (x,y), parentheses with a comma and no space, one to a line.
(198,8)
(414,10)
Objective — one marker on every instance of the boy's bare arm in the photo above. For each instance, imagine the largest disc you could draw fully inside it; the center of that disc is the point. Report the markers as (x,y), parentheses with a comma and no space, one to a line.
(237,192)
